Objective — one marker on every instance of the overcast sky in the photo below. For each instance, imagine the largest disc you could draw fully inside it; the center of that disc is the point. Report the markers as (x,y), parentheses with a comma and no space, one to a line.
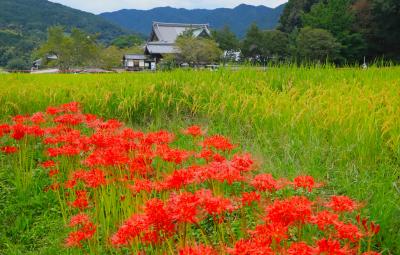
(98,6)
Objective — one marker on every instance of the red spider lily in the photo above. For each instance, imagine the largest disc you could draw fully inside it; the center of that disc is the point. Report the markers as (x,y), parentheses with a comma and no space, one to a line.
(214,205)
(251,247)
(183,208)
(9,149)
(70,119)
(159,137)
(53,172)
(158,217)
(307,182)
(324,219)
(265,182)
(270,232)
(223,171)
(141,185)
(131,228)
(197,250)
(249,197)
(193,131)
(76,238)
(329,246)
(300,248)
(48,164)
(243,162)
(205,154)
(92,178)
(79,219)
(72,107)
(290,210)
(218,142)
(342,204)
(18,131)
(38,118)
(348,231)
(4,129)
(370,229)
(81,202)
(179,179)
(172,155)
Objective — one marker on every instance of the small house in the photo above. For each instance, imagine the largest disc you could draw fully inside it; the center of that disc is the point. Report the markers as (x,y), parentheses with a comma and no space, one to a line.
(137,62)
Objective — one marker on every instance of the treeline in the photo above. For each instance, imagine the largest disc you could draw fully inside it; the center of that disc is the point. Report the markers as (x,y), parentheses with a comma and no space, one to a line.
(339,31)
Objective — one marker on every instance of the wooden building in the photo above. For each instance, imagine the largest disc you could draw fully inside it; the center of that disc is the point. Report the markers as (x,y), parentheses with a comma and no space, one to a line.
(163,36)
(137,62)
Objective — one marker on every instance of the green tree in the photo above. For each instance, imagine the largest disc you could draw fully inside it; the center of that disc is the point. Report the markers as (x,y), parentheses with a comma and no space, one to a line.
(127,41)
(197,50)
(111,57)
(291,16)
(75,50)
(274,44)
(314,44)
(226,39)
(18,64)
(252,44)
(337,17)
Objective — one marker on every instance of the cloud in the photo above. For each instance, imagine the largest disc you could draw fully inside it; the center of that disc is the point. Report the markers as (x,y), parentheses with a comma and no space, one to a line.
(98,6)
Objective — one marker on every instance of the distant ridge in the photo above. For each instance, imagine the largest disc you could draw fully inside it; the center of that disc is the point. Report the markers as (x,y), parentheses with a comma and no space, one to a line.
(238,18)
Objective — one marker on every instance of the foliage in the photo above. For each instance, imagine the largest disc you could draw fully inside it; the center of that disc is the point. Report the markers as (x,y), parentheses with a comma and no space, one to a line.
(315,44)
(274,44)
(111,57)
(252,43)
(291,16)
(226,39)
(75,50)
(18,65)
(197,51)
(127,41)
(336,17)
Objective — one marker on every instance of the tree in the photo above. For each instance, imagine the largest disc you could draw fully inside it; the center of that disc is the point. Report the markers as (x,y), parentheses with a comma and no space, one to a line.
(197,50)
(252,43)
(386,33)
(226,39)
(74,50)
(127,41)
(18,64)
(274,44)
(111,57)
(337,17)
(314,44)
(291,16)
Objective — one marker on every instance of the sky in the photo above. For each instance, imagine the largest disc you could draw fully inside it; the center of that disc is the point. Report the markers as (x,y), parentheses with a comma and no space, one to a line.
(98,6)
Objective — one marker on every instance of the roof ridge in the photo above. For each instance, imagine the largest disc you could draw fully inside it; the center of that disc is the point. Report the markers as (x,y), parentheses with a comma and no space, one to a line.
(179,24)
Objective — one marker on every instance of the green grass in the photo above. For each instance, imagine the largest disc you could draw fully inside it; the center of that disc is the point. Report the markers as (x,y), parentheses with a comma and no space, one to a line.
(340,125)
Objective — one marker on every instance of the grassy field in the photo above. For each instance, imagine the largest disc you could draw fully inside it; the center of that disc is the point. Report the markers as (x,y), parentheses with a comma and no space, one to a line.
(341,126)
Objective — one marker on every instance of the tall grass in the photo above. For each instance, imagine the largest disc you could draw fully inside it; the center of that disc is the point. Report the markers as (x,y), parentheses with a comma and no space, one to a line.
(341,125)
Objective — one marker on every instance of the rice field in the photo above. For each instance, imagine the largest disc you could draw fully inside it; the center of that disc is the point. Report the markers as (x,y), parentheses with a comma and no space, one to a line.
(340,126)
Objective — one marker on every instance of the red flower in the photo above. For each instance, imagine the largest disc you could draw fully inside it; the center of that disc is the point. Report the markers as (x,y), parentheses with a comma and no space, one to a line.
(81,201)
(193,131)
(79,219)
(9,149)
(265,182)
(198,250)
(328,246)
(218,142)
(289,210)
(183,207)
(249,197)
(324,219)
(306,182)
(300,248)
(348,231)
(342,204)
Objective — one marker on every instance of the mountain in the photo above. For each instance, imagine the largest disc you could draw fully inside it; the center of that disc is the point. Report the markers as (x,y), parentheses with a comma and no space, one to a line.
(35,16)
(238,18)
(24,24)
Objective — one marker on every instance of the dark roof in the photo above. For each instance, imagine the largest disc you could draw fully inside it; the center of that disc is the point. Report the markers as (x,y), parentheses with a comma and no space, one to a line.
(168,32)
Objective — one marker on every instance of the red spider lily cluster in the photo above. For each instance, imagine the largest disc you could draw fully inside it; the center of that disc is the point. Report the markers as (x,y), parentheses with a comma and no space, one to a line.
(124,189)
